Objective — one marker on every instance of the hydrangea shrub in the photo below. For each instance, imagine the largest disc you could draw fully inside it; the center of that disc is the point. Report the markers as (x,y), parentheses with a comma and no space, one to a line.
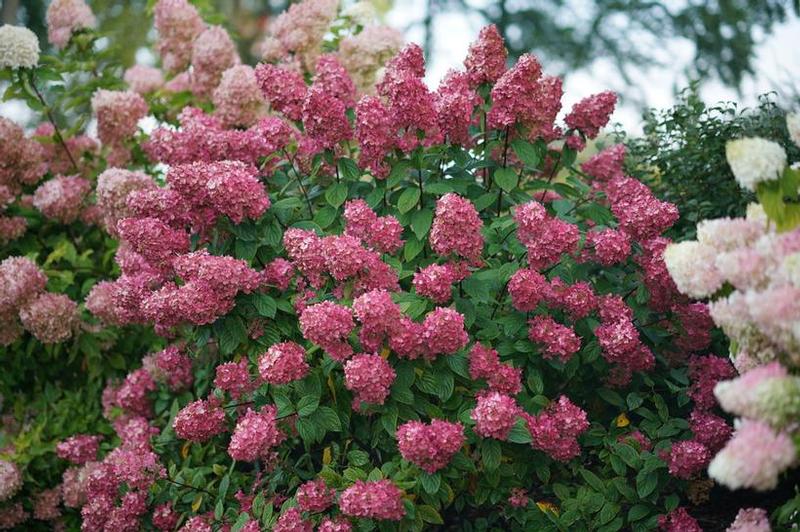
(381,306)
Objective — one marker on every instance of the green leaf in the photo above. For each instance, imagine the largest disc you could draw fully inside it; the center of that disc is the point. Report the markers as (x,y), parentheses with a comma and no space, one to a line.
(348,169)
(638,511)
(421,222)
(491,454)
(307,405)
(519,433)
(327,418)
(646,483)
(408,199)
(429,514)
(325,216)
(265,305)
(358,458)
(593,480)
(526,152)
(336,194)
(230,333)
(506,178)
(430,483)
(412,248)
(628,455)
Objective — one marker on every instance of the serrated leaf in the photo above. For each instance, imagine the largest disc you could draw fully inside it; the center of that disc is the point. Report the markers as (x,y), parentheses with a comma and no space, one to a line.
(430,483)
(327,418)
(429,514)
(348,169)
(421,222)
(307,405)
(526,152)
(265,305)
(491,454)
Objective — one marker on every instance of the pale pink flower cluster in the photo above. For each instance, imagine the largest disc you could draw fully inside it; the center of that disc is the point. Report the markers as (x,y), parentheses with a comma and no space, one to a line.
(430,446)
(113,187)
(292,521)
(171,367)
(379,499)
(10,480)
(213,52)
(46,504)
(61,198)
(12,516)
(178,24)
(143,79)
(555,430)
(79,449)
(369,377)
(50,318)
(22,163)
(237,99)
(65,17)
(364,53)
(21,282)
(255,435)
(494,415)
(754,457)
(314,496)
(750,520)
(118,113)
(298,32)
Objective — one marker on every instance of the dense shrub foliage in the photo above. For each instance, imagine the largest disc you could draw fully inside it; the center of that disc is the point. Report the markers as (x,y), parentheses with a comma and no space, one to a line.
(681,155)
(377,305)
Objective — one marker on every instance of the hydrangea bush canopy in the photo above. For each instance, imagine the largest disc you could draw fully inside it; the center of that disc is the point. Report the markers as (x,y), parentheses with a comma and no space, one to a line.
(377,305)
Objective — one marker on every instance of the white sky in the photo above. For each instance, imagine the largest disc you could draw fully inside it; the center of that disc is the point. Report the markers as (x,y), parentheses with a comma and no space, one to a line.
(777,64)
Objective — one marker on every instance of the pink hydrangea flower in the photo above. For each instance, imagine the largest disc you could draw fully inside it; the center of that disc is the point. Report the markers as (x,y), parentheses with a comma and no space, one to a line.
(436,280)
(369,377)
(606,164)
(238,100)
(118,113)
(678,520)
(100,302)
(234,378)
(750,520)
(279,273)
(51,318)
(484,363)
(456,229)
(328,325)
(292,521)
(46,504)
(364,53)
(527,288)
(165,518)
(178,24)
(255,435)
(61,198)
(79,449)
(430,446)
(578,299)
(314,496)
(608,246)
(283,363)
(705,372)
(171,367)
(687,458)
(154,240)
(200,420)
(710,430)
(340,524)
(455,103)
(325,118)
(753,458)
(379,317)
(10,480)
(21,280)
(407,340)
(379,499)
(213,52)
(374,125)
(64,17)
(284,89)
(23,158)
(12,228)
(518,498)
(486,59)
(555,429)
(639,212)
(113,187)
(383,233)
(143,79)
(495,415)
(591,114)
(443,332)
(557,340)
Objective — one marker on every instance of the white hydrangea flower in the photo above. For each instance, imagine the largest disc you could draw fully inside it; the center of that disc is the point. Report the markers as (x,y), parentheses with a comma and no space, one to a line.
(362,13)
(756,213)
(755,160)
(691,265)
(793,125)
(19,47)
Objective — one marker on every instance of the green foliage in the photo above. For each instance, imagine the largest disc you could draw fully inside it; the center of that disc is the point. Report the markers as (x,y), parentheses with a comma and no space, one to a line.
(681,154)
